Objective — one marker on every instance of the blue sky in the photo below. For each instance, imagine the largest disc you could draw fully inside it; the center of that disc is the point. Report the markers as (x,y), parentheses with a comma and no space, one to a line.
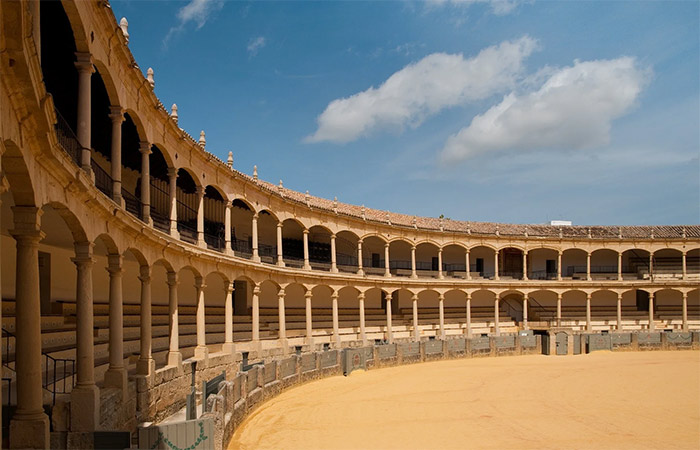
(505,111)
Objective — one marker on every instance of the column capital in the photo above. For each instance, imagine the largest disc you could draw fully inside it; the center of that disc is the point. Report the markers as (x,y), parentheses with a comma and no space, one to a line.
(229,287)
(114,264)
(83,62)
(413,248)
(256,216)
(386,245)
(172,172)
(388,296)
(414,297)
(469,295)
(83,249)
(526,297)
(333,236)
(172,279)
(441,297)
(145,274)
(199,283)
(280,225)
(145,148)
(116,113)
(308,294)
(361,296)
(199,190)
(256,290)
(440,250)
(306,232)
(335,295)
(27,219)
(280,293)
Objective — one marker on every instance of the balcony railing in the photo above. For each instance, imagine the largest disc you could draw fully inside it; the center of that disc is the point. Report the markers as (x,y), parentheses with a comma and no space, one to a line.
(67,139)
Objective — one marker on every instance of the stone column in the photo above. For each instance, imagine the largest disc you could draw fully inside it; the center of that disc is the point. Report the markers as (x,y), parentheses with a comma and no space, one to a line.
(525,325)
(145,364)
(145,149)
(201,351)
(309,318)
(589,326)
(256,313)
(227,229)
(588,266)
(683,260)
(2,191)
(525,265)
(307,266)
(389,329)
(334,264)
(469,315)
(359,258)
(495,266)
(172,184)
(559,265)
(619,311)
(85,70)
(619,266)
(336,326)
(651,266)
(497,326)
(441,310)
(116,113)
(559,295)
(280,253)
(200,217)
(440,274)
(116,374)
(228,346)
(467,265)
(361,301)
(256,255)
(29,427)
(174,354)
(387,271)
(414,273)
(85,396)
(416,331)
(652,325)
(685,311)
(282,335)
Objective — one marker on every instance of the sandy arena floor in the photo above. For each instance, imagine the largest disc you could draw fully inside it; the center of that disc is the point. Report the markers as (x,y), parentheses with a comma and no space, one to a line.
(602,400)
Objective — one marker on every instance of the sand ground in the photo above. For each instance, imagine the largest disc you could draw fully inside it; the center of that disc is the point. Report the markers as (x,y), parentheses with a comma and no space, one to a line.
(602,400)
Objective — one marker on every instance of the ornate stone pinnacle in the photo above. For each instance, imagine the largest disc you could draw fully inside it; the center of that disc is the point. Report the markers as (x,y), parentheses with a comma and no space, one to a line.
(255,173)
(149,77)
(202,139)
(229,163)
(173,112)
(124,25)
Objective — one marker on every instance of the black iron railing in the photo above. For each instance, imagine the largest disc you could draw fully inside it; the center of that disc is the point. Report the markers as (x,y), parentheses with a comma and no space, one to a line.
(67,139)
(132,203)
(188,233)
(103,181)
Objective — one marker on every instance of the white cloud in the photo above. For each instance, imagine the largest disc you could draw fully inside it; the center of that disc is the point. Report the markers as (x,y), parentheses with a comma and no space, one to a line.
(197,11)
(572,109)
(498,7)
(254,45)
(422,89)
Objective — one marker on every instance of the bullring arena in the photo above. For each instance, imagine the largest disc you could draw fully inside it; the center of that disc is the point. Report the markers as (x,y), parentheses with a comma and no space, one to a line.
(154,296)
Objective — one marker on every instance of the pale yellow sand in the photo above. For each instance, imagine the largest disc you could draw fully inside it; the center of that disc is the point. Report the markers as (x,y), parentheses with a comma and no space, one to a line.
(601,400)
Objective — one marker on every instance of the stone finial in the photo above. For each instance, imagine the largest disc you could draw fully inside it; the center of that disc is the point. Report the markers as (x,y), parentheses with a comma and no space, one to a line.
(255,173)
(307,198)
(229,161)
(202,139)
(280,189)
(173,112)
(561,233)
(652,232)
(363,213)
(683,234)
(469,229)
(335,205)
(526,233)
(415,222)
(281,185)
(498,230)
(388,219)
(149,77)
(589,233)
(124,25)
(619,232)
(442,224)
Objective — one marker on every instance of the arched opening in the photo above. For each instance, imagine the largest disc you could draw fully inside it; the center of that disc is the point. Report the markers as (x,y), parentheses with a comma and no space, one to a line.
(692,263)
(427,261)
(269,310)
(346,251)
(187,300)
(295,310)
(160,195)
(267,237)
(242,302)
(604,264)
(573,309)
(242,228)
(292,243)
(542,307)
(635,264)
(454,261)
(131,167)
(373,255)
(483,312)
(187,206)
(542,264)
(573,263)
(510,263)
(481,261)
(100,134)
(214,217)
(320,248)
(400,258)
(668,264)
(215,304)
(375,313)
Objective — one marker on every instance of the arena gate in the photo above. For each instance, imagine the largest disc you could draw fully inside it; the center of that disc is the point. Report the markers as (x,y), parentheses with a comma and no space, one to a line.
(191,434)
(354,359)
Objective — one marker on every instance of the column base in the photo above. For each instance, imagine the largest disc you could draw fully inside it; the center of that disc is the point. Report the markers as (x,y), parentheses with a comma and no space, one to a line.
(414,276)
(201,352)
(307,266)
(31,431)
(334,270)
(116,378)
(280,264)
(361,272)
(309,341)
(284,346)
(256,259)
(201,243)
(175,359)
(174,233)
(85,408)
(228,347)
(145,366)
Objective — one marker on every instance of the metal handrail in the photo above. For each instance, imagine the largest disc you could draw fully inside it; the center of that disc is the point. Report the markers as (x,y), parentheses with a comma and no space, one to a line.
(103,181)
(67,139)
